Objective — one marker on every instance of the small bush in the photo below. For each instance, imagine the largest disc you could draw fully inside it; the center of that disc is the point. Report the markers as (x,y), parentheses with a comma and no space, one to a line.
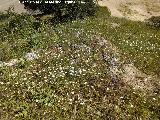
(154,21)
(63,10)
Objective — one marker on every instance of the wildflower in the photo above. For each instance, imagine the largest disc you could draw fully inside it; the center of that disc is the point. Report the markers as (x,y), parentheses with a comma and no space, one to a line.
(31,56)
(154,98)
(82,103)
(24,78)
(85,83)
(1,83)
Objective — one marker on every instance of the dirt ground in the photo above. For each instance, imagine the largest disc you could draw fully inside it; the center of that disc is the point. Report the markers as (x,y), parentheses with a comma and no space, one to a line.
(5,4)
(137,10)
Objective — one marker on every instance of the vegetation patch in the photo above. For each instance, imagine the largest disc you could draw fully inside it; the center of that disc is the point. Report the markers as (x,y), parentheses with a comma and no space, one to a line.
(69,71)
(154,21)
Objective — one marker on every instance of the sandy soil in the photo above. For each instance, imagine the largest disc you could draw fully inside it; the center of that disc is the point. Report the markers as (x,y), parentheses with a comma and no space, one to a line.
(5,4)
(133,9)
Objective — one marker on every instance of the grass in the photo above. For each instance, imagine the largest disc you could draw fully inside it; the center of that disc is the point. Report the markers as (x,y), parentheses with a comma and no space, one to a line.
(70,79)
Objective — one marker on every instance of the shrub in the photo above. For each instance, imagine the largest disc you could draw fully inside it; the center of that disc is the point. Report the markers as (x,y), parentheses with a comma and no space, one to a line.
(154,21)
(63,10)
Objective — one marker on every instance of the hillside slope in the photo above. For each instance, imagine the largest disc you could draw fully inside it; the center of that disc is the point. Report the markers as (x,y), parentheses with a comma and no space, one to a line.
(133,9)
(5,4)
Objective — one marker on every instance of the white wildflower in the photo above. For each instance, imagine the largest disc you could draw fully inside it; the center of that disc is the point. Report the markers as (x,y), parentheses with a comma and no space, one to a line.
(31,56)
(132,106)
(154,98)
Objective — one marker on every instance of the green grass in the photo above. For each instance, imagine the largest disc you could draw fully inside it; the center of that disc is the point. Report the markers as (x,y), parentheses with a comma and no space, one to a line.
(70,79)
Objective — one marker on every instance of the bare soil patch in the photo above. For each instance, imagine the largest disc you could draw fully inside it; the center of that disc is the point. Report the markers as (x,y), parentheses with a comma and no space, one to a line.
(5,4)
(137,10)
